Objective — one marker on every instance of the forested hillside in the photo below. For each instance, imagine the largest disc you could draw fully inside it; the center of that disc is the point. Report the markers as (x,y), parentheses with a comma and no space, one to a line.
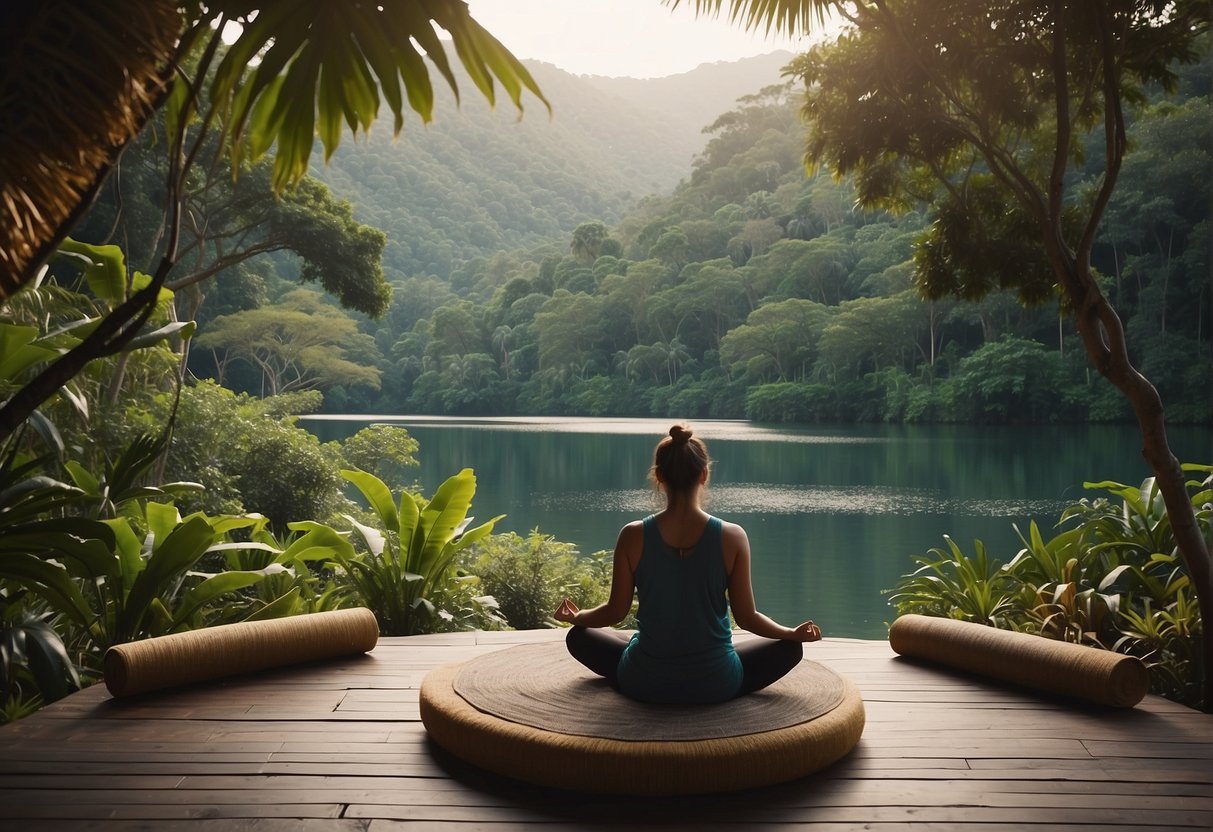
(531,273)
(690,100)
(476,181)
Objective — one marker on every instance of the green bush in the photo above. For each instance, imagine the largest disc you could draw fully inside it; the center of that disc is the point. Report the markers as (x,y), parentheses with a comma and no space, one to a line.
(528,576)
(287,474)
(35,668)
(383,450)
(247,453)
(1010,380)
(1112,579)
(404,569)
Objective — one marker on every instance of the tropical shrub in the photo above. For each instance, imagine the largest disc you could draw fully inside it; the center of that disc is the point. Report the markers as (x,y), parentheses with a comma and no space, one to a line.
(91,553)
(35,668)
(950,584)
(404,568)
(110,565)
(141,584)
(1112,578)
(383,450)
(287,473)
(528,576)
(307,584)
(250,456)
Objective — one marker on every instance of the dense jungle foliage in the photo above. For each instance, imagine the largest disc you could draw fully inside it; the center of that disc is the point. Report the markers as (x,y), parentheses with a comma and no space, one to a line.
(1111,578)
(749,291)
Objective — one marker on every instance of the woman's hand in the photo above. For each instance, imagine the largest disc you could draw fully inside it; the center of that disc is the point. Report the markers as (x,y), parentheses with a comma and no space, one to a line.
(567,611)
(808,631)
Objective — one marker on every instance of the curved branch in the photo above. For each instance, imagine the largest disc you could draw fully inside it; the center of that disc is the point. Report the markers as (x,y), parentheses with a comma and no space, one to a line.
(1114,130)
(1061,104)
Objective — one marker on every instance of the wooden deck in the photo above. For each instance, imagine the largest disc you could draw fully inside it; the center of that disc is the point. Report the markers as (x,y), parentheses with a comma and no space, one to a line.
(339,746)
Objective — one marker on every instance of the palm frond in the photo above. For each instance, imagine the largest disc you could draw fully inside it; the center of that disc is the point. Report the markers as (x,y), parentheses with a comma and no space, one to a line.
(302,69)
(784,17)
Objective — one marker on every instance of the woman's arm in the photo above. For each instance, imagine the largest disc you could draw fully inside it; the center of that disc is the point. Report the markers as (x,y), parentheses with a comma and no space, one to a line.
(741,593)
(623,584)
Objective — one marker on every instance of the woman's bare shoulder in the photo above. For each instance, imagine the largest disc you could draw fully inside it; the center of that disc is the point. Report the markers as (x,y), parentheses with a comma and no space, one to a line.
(732,532)
(630,544)
(632,534)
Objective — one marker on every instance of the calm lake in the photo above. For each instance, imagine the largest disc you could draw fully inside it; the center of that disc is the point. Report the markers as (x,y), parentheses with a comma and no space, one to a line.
(833,514)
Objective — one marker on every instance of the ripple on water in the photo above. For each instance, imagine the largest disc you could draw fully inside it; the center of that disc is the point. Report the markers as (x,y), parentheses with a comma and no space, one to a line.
(761,498)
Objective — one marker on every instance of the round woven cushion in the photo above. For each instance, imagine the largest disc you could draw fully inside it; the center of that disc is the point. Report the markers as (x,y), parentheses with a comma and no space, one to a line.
(622,746)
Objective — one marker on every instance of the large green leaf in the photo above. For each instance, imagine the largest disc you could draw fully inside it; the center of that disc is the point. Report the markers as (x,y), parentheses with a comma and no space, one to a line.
(230,522)
(48,661)
(217,585)
(104,268)
(410,517)
(48,538)
(372,538)
(50,582)
(318,541)
(83,478)
(477,534)
(162,520)
(18,350)
(378,495)
(128,550)
(29,498)
(173,554)
(446,513)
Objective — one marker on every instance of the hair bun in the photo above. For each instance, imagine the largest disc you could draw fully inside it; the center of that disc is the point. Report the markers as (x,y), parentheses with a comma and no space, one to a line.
(680,434)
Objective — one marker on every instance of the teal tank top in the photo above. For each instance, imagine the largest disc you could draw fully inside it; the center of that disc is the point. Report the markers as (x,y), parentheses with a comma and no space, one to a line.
(682,652)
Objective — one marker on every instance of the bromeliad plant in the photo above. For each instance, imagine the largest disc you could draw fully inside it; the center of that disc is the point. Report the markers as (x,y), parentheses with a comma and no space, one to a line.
(950,584)
(1113,579)
(404,568)
(304,581)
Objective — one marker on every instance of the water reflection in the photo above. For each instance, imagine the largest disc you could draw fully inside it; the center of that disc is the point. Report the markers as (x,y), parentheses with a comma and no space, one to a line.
(833,514)
(767,498)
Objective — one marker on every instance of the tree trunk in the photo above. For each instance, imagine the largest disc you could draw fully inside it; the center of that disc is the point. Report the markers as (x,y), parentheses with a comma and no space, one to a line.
(1103,338)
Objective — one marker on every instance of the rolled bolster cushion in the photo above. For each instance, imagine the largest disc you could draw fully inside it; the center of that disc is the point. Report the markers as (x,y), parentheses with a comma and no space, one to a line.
(232,649)
(1088,673)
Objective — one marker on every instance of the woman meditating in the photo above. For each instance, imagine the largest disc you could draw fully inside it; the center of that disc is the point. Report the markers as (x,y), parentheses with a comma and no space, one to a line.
(687,567)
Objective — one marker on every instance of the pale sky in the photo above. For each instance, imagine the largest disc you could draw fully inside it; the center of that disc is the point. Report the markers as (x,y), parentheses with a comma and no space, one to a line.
(639,38)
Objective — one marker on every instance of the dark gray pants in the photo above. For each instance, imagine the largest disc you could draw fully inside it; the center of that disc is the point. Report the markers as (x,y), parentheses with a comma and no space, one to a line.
(763,660)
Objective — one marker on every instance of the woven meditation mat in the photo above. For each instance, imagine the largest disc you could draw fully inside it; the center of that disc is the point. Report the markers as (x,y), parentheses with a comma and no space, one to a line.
(577,733)
(232,649)
(1088,673)
(539,686)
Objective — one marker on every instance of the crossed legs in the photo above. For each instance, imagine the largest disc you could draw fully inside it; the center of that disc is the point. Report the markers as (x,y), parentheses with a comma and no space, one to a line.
(763,660)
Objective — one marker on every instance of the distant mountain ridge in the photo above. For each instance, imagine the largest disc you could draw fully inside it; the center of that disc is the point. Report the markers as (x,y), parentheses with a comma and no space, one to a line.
(477,181)
(696,98)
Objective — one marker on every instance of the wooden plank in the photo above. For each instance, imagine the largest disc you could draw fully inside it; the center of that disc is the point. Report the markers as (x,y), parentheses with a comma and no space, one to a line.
(380,825)
(34,814)
(1152,750)
(970,817)
(1152,769)
(193,825)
